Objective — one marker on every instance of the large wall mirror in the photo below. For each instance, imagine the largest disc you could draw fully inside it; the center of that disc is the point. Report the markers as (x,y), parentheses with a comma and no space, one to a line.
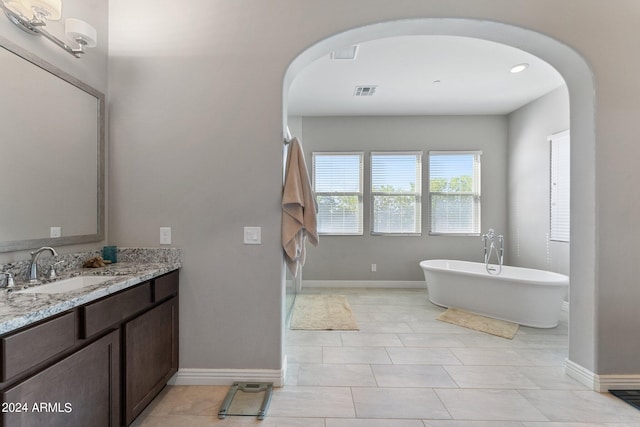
(52,170)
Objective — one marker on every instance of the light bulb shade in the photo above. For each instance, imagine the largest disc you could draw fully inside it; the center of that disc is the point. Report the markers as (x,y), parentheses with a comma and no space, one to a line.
(22,8)
(77,29)
(49,9)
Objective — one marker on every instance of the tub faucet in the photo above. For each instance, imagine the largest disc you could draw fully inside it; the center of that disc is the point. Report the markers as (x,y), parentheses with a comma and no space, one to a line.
(33,265)
(490,247)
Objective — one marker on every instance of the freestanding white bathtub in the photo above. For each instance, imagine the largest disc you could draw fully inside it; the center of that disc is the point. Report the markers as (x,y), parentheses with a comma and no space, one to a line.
(521,295)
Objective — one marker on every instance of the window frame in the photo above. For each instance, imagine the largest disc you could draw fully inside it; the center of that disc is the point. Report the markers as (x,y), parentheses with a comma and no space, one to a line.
(360,194)
(561,234)
(417,194)
(475,192)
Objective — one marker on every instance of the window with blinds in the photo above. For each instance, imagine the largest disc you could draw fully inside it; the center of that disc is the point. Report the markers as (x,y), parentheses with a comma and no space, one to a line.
(454,192)
(396,192)
(337,182)
(560,186)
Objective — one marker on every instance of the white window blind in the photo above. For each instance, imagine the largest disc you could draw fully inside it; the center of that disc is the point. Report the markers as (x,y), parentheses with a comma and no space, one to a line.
(560,186)
(396,192)
(337,182)
(454,192)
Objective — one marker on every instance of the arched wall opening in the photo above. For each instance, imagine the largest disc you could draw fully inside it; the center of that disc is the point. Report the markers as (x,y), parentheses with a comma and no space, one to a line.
(580,84)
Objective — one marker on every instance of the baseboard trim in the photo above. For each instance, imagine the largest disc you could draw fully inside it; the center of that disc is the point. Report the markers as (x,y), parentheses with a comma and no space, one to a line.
(187,376)
(601,383)
(617,382)
(580,374)
(383,284)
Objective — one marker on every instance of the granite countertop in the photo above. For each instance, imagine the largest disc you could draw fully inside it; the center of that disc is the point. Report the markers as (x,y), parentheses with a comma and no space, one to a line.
(21,309)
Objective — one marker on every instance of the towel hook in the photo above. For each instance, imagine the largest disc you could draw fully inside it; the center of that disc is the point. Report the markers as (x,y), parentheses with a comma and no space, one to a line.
(287,136)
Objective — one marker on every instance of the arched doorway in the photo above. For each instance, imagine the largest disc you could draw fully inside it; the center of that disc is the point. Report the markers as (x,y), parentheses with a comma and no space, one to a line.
(578,77)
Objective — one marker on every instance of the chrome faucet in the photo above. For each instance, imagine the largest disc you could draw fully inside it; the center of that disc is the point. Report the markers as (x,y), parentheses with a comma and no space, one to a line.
(33,265)
(10,283)
(489,241)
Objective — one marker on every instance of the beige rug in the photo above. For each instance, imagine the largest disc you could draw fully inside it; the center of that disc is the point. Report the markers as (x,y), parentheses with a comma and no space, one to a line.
(323,312)
(476,322)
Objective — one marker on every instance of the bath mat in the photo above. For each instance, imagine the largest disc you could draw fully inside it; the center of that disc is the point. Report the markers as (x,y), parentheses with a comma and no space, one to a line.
(323,312)
(476,322)
(632,397)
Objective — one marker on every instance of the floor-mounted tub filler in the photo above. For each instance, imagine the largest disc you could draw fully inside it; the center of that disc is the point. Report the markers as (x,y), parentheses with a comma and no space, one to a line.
(525,296)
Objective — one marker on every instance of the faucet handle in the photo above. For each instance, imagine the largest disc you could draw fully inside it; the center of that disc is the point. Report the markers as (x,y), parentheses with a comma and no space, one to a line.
(10,281)
(52,272)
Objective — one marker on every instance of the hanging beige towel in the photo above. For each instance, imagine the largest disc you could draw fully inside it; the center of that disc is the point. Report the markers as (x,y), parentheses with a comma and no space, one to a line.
(298,209)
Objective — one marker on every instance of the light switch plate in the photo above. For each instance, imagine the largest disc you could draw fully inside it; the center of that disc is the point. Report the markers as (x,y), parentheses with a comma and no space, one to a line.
(165,235)
(252,235)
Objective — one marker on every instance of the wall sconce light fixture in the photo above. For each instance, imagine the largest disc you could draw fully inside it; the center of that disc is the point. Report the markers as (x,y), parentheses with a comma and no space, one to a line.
(32,16)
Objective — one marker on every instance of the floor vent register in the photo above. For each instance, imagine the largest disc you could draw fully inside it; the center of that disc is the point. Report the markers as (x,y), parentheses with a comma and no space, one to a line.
(632,397)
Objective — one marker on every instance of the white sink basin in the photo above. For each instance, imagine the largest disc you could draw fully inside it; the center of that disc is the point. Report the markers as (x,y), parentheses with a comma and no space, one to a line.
(65,285)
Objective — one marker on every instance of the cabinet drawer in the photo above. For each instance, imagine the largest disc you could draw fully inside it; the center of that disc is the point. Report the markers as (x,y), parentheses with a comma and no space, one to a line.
(24,350)
(165,286)
(113,309)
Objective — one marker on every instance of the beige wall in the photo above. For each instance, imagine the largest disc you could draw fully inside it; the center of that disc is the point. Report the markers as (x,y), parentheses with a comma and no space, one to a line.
(529,174)
(397,257)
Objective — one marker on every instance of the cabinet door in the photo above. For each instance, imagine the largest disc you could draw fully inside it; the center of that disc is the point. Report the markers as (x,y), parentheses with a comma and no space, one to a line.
(151,355)
(80,390)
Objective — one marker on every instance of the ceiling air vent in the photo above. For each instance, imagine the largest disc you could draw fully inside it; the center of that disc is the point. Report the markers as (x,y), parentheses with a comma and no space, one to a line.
(365,90)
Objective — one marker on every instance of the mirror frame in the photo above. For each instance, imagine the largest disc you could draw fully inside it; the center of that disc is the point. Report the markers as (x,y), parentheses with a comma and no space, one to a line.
(16,245)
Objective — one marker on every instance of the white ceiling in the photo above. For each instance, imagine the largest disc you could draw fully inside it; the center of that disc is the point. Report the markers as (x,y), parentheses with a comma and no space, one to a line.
(473,75)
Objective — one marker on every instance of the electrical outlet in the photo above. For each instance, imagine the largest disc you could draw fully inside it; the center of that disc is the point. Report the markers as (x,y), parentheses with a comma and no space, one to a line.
(252,235)
(165,235)
(55,232)
(374,267)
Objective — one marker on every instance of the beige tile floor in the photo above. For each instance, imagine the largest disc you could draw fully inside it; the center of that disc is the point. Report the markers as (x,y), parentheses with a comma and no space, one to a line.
(406,369)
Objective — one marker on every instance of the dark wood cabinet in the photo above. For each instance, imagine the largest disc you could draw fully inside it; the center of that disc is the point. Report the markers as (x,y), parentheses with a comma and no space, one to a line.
(96,365)
(80,390)
(151,355)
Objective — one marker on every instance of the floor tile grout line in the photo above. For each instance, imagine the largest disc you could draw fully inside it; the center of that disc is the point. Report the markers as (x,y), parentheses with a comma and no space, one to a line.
(353,403)
(435,391)
(535,406)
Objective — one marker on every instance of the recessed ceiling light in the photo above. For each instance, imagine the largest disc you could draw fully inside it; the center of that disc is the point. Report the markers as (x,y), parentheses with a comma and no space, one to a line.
(519,68)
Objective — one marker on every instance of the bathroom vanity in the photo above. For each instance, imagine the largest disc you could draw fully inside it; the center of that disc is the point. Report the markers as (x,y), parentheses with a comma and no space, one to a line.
(95,356)
(84,352)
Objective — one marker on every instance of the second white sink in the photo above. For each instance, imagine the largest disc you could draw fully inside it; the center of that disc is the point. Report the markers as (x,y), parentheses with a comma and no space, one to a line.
(65,285)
